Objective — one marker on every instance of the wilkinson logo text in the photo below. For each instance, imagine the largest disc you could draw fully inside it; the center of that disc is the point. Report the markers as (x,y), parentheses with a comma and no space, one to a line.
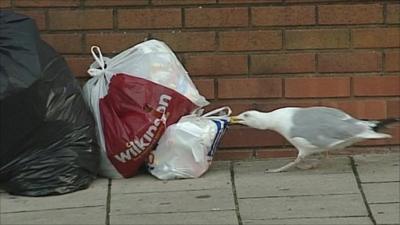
(141,144)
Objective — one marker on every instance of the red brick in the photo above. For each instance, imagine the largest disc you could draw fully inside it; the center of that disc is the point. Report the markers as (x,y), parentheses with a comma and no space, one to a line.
(267,107)
(38,15)
(79,65)
(282,63)
(188,41)
(47,3)
(180,2)
(5,3)
(283,15)
(250,40)
(359,61)
(247,1)
(113,42)
(205,87)
(275,153)
(149,18)
(317,39)
(250,88)
(350,14)
(248,137)
(356,150)
(376,86)
(299,1)
(361,109)
(392,60)
(376,37)
(224,154)
(393,108)
(216,17)
(236,107)
(393,13)
(80,19)
(317,87)
(216,64)
(64,43)
(115,2)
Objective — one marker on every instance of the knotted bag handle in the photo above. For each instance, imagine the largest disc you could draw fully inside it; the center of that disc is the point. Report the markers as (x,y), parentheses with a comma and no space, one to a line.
(98,57)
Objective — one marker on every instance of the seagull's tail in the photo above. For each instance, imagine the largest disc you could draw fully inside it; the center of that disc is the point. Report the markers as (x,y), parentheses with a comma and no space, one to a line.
(383,123)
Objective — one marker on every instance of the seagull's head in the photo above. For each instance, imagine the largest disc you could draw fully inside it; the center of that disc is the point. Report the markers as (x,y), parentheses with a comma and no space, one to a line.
(250,118)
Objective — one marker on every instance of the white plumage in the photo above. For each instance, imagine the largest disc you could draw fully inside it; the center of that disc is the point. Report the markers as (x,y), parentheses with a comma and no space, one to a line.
(312,130)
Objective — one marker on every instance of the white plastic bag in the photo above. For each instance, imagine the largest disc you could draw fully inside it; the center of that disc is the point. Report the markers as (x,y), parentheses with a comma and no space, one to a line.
(134,96)
(186,149)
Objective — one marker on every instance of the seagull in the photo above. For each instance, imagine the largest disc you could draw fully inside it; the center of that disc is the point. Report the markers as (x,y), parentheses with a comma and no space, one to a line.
(313,129)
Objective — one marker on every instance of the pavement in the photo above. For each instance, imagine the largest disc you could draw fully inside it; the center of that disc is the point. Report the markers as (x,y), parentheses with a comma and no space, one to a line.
(360,189)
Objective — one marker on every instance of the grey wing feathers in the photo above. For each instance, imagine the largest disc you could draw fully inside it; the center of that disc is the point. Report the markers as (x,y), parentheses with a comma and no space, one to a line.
(323,126)
(325,110)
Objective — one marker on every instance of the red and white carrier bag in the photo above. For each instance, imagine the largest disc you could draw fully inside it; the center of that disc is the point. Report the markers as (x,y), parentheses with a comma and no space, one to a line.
(134,96)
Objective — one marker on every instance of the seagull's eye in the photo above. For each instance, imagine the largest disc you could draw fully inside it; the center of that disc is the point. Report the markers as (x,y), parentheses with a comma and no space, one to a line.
(246,115)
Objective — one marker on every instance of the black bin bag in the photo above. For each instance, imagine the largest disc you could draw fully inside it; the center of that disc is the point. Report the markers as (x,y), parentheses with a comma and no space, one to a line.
(47,135)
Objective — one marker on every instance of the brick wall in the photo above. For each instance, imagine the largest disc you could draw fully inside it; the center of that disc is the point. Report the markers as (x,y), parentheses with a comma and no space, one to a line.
(260,54)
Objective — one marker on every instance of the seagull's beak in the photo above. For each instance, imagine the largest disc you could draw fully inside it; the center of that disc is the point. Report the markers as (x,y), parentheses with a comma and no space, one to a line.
(235,120)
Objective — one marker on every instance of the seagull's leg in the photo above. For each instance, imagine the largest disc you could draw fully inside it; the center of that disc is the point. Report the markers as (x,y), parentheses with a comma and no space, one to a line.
(287,166)
(327,155)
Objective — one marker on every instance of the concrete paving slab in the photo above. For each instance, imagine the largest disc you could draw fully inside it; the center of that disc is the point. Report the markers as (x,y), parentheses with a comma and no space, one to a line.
(287,184)
(85,215)
(302,207)
(218,176)
(386,213)
(382,192)
(251,181)
(172,201)
(331,165)
(95,195)
(216,217)
(313,221)
(378,167)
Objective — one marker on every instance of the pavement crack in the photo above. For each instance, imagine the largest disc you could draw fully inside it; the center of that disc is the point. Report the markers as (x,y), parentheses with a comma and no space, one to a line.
(381,182)
(108,204)
(235,197)
(360,188)
(299,196)
(171,191)
(306,217)
(53,209)
(171,212)
(383,203)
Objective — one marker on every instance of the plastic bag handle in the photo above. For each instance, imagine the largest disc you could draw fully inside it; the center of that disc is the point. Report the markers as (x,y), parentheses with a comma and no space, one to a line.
(215,112)
(95,50)
(99,59)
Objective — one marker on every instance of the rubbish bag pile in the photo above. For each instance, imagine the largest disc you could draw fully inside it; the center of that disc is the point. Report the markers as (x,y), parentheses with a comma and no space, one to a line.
(139,108)
(48,144)
(135,97)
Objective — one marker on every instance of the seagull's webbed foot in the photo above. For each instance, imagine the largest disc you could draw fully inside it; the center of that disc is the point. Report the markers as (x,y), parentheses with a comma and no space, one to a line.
(309,164)
(274,170)
(306,166)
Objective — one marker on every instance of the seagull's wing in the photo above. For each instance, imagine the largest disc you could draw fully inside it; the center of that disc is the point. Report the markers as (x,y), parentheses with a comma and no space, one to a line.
(321,110)
(325,127)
